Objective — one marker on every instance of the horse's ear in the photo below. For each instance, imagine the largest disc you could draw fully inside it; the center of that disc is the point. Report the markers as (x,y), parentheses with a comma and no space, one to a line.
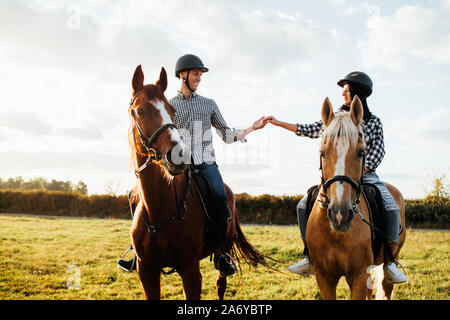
(162,81)
(327,112)
(138,80)
(356,110)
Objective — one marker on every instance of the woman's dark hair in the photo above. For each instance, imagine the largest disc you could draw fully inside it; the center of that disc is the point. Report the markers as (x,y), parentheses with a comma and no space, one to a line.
(358,90)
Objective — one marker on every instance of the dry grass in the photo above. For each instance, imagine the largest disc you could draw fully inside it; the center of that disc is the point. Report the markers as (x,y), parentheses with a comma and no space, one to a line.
(36,254)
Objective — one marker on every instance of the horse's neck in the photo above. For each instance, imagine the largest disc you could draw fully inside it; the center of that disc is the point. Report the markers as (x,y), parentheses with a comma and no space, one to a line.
(157,192)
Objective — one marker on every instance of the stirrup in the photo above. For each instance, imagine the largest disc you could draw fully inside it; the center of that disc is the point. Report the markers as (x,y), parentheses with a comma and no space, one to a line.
(397,263)
(133,263)
(129,249)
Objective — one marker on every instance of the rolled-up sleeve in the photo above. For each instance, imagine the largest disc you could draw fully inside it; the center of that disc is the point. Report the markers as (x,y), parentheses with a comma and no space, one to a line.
(313,130)
(228,135)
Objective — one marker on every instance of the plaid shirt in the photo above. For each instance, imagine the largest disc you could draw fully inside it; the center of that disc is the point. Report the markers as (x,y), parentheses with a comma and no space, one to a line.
(194,118)
(373,137)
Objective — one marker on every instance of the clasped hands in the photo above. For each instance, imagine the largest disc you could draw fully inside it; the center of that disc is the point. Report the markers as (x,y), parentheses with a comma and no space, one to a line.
(261,122)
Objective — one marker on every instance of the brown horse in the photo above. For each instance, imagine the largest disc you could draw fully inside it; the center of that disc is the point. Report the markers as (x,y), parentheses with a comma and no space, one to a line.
(339,244)
(164,234)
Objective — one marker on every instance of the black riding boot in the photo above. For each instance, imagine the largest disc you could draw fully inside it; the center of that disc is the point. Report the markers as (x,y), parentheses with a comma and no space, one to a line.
(223,261)
(128,265)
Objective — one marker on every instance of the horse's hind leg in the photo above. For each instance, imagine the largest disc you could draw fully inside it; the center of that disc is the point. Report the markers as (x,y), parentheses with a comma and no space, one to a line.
(221,286)
(150,277)
(192,280)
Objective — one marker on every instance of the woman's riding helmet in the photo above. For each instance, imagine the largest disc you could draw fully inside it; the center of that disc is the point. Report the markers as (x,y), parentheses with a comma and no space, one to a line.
(359,78)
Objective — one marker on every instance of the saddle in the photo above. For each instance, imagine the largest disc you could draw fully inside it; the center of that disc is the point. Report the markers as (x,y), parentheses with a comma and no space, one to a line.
(374,202)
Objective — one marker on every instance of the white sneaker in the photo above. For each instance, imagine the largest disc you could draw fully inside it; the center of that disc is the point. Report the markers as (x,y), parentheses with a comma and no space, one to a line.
(303,267)
(393,274)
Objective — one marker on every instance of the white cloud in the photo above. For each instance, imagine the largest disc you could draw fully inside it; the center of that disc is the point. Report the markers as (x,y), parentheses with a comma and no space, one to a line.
(431,131)
(412,32)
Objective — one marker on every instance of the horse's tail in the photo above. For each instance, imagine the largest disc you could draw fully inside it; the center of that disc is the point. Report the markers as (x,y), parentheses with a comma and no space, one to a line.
(245,250)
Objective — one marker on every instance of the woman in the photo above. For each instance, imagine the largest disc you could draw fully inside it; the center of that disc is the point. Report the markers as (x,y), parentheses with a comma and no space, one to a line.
(355,83)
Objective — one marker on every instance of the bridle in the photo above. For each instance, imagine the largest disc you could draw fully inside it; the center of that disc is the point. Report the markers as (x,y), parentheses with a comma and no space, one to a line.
(147,142)
(325,199)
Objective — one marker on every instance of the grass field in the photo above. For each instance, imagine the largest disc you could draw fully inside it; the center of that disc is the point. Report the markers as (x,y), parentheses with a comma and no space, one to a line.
(47,258)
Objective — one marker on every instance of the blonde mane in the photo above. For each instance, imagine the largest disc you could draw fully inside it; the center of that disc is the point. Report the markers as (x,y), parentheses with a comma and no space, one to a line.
(342,129)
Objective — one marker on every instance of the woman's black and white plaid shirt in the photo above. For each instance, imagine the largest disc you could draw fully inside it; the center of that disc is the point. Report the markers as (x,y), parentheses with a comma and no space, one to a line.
(373,137)
(194,119)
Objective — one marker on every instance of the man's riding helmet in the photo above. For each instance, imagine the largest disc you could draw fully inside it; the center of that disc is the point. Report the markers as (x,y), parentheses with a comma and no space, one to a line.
(188,62)
(359,78)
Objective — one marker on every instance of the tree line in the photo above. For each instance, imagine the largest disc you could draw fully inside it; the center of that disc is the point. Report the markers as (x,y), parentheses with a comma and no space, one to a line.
(41,183)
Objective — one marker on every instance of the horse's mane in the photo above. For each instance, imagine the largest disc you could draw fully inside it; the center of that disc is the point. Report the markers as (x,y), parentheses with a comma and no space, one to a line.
(342,129)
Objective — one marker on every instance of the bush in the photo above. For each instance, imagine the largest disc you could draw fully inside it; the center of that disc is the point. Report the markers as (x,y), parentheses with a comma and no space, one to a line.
(431,212)
(60,203)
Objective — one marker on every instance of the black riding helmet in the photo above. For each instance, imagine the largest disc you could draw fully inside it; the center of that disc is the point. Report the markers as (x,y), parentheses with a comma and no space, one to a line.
(360,85)
(186,63)
(359,78)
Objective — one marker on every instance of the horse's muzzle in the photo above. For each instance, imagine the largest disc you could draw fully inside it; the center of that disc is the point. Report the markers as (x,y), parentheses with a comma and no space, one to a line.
(341,217)
(174,160)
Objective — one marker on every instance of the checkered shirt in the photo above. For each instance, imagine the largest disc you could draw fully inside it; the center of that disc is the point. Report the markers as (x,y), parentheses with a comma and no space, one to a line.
(194,118)
(373,137)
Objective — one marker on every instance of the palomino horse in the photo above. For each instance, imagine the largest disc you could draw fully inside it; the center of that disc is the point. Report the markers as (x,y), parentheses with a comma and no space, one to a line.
(339,244)
(168,227)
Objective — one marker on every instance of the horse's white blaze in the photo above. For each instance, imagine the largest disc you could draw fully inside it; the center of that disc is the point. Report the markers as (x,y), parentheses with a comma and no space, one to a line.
(341,149)
(160,105)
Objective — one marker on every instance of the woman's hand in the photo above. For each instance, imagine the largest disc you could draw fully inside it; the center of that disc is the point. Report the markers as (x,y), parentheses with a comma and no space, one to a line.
(273,120)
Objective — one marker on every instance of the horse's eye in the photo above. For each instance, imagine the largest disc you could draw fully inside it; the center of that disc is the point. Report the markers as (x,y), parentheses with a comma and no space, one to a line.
(322,154)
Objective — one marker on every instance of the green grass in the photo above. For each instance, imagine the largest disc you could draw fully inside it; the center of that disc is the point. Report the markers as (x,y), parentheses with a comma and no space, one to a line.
(36,255)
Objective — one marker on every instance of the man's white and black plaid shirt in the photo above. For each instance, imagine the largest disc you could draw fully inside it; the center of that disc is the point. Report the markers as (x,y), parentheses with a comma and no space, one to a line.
(194,119)
(373,137)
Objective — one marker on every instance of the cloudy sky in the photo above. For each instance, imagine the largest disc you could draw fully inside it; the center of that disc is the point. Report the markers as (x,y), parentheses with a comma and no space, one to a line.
(66,68)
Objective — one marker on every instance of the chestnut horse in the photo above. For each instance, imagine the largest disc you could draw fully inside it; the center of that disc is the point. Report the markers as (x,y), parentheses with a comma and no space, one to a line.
(339,244)
(168,228)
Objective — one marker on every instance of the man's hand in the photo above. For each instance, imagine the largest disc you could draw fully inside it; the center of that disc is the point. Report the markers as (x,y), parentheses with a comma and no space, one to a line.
(259,124)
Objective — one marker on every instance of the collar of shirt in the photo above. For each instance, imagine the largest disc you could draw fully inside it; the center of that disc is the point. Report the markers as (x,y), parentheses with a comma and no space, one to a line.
(181,96)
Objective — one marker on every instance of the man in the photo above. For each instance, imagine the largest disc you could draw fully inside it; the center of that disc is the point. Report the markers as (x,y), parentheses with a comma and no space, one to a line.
(194,118)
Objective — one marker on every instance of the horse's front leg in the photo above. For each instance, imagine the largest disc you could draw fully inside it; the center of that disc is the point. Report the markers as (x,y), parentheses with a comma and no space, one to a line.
(326,285)
(221,286)
(192,279)
(358,285)
(150,276)
(148,269)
